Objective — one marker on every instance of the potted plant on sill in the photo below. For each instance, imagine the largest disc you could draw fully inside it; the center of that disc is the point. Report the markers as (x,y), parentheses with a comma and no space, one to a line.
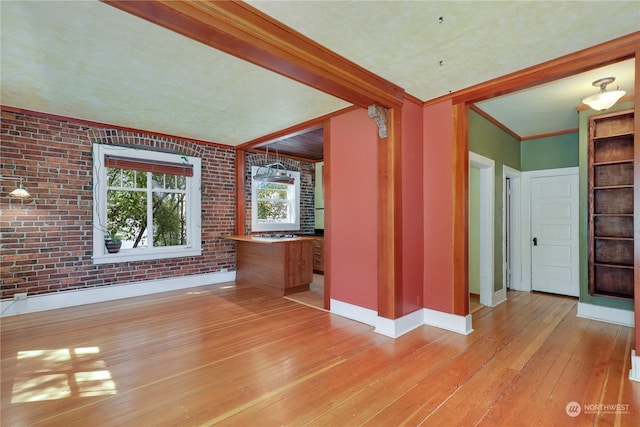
(113,243)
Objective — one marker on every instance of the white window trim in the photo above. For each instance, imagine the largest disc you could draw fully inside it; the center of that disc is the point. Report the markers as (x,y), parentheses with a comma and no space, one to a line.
(275,226)
(194,231)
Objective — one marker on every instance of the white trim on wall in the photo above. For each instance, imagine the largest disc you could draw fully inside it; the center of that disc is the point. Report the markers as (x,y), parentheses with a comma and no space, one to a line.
(396,327)
(487,228)
(601,313)
(634,372)
(516,227)
(448,321)
(353,312)
(10,307)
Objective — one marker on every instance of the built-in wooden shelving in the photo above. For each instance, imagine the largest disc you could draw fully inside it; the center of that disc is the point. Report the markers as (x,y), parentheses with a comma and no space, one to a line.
(611,204)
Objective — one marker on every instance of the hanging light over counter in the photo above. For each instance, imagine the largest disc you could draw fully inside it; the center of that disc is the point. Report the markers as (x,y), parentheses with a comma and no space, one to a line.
(274,172)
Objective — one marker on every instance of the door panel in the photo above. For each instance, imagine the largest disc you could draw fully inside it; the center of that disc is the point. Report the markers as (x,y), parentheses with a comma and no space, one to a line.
(554,232)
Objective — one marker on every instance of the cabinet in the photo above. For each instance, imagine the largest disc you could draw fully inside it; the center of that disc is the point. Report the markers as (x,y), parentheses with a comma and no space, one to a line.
(318,255)
(280,266)
(611,204)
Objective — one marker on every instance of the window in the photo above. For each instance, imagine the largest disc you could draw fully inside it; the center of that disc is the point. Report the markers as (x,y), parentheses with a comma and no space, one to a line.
(149,200)
(275,206)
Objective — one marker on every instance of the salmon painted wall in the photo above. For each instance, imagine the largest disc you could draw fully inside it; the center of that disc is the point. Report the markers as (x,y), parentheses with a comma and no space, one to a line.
(412,206)
(437,206)
(354,209)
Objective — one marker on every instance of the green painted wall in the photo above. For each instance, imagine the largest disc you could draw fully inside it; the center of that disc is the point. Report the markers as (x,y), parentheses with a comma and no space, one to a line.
(490,141)
(474,230)
(584,255)
(560,151)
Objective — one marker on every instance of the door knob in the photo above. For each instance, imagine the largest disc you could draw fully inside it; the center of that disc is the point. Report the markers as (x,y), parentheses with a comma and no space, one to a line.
(535,241)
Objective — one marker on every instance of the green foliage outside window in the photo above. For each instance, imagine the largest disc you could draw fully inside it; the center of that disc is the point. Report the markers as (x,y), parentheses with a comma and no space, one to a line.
(273,203)
(127,207)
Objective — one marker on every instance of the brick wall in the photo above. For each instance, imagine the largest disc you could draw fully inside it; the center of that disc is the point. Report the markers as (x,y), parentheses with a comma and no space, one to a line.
(46,244)
(307,185)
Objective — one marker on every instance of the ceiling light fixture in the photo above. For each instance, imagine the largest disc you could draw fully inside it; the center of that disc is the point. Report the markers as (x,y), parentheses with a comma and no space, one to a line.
(604,100)
(273,172)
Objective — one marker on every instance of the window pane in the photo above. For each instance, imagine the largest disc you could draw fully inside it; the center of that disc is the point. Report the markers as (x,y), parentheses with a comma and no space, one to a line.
(127,216)
(273,194)
(169,219)
(158,180)
(272,191)
(273,211)
(181,183)
(170,182)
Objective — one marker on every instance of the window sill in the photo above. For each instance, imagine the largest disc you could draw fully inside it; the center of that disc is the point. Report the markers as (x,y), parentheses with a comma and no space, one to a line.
(132,256)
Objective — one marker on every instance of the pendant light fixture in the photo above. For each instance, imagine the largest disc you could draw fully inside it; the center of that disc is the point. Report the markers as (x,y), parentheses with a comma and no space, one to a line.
(273,172)
(603,100)
(19,192)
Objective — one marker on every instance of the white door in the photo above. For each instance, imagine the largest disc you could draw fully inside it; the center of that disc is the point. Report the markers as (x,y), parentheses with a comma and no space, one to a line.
(554,234)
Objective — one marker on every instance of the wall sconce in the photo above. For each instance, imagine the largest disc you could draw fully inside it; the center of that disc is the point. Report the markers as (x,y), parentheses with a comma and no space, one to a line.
(603,100)
(19,192)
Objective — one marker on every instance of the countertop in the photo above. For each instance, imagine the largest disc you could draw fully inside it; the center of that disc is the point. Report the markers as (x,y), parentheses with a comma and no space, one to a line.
(258,239)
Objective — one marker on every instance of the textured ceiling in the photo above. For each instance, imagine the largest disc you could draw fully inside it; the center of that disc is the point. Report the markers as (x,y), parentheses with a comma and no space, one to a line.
(91,61)
(404,41)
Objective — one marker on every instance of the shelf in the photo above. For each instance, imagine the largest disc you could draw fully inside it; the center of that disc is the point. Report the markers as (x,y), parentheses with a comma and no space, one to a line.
(613,136)
(611,185)
(612,162)
(612,238)
(613,200)
(602,264)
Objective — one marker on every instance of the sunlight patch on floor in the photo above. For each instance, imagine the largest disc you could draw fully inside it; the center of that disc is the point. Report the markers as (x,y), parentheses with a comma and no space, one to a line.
(60,373)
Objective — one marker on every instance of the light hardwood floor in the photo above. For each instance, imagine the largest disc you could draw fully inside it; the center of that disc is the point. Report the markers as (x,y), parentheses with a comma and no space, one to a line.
(221,355)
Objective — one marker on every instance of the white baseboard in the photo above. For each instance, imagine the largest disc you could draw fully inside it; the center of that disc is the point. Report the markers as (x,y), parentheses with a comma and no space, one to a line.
(606,314)
(10,307)
(395,327)
(499,297)
(448,321)
(634,372)
(354,312)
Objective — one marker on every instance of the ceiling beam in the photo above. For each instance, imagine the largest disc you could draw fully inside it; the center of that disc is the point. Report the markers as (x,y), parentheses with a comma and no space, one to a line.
(242,31)
(606,53)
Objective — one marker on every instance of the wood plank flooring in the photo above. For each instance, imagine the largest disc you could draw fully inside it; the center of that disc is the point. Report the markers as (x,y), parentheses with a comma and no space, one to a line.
(227,355)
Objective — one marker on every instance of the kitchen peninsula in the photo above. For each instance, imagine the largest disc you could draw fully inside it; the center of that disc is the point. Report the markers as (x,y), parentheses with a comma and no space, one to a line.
(280,265)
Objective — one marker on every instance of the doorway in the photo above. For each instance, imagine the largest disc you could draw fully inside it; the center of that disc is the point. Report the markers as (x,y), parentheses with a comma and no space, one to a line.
(511,231)
(483,245)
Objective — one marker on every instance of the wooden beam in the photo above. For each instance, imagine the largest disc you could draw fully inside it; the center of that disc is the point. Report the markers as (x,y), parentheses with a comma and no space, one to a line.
(292,130)
(549,134)
(495,122)
(460,198)
(328,228)
(240,30)
(390,218)
(584,60)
